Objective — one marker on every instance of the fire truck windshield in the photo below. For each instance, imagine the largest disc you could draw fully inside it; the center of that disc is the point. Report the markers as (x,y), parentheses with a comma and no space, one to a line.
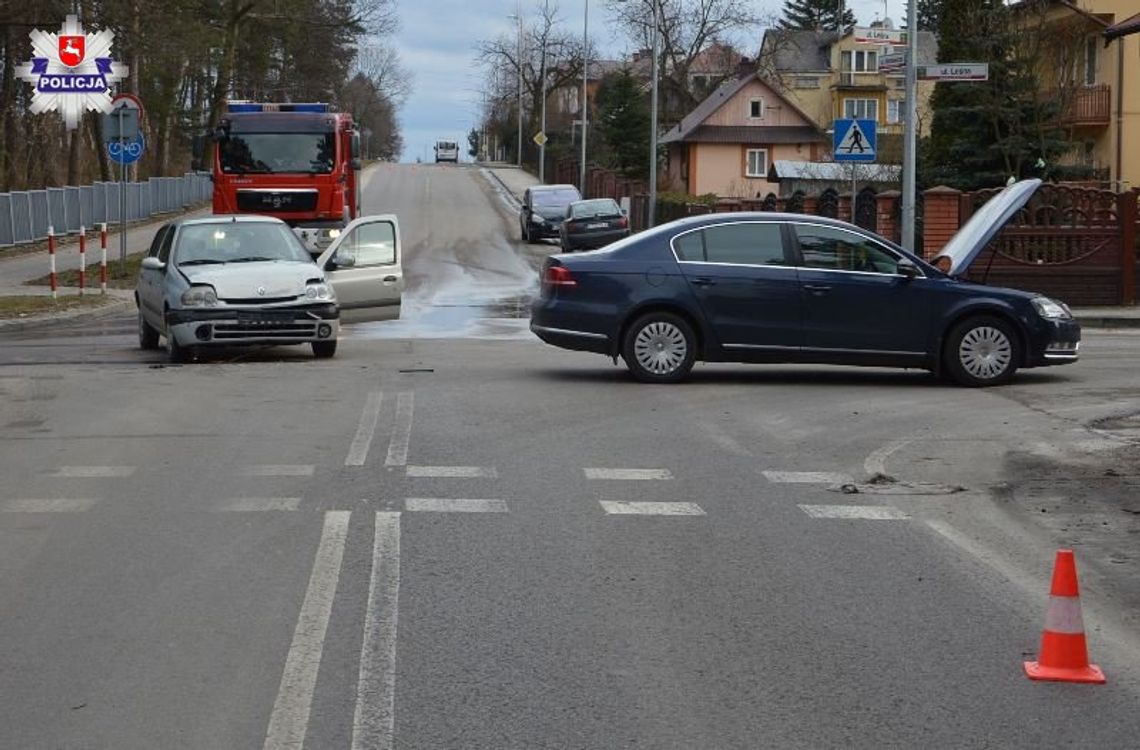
(312,153)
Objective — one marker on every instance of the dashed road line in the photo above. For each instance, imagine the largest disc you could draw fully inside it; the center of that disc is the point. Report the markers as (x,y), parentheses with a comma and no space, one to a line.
(454,472)
(358,450)
(279,470)
(48,505)
(260,504)
(628,474)
(401,430)
(455,505)
(290,718)
(93,472)
(863,512)
(806,477)
(632,508)
(374,720)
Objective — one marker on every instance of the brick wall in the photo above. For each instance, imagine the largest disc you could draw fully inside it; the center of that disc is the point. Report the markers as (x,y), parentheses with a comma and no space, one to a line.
(940,219)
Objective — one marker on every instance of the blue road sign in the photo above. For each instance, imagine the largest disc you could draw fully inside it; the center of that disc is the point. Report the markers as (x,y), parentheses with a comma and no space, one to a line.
(853,140)
(127,152)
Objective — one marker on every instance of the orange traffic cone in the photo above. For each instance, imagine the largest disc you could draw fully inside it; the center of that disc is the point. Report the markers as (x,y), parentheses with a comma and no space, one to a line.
(1064,655)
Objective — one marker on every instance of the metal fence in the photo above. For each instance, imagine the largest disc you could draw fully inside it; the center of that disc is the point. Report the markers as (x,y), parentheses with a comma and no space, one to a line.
(26,215)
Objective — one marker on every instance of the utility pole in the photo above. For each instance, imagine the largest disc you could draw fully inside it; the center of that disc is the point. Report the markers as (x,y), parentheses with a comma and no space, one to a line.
(518,17)
(542,127)
(910,129)
(585,103)
(651,220)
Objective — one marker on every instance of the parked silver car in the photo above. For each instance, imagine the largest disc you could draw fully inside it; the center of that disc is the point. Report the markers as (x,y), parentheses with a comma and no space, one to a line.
(248,280)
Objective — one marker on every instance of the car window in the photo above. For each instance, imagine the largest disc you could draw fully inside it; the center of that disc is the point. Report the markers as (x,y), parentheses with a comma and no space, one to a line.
(555,198)
(236,242)
(156,243)
(601,207)
(751,244)
(690,246)
(840,250)
(372,244)
(164,248)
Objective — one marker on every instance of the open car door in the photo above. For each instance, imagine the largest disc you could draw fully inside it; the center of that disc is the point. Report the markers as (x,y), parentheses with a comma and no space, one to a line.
(364,267)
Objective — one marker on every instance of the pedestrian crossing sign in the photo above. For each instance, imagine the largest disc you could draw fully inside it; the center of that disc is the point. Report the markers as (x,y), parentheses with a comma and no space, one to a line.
(853,140)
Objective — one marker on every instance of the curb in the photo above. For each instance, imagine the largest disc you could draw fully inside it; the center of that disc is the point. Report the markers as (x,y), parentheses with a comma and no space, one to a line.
(503,186)
(45,319)
(1100,322)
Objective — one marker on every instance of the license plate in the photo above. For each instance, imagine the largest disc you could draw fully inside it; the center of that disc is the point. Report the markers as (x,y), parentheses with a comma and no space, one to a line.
(603,225)
(249,317)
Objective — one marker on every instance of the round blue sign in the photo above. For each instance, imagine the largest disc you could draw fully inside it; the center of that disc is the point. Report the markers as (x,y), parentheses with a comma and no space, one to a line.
(128,152)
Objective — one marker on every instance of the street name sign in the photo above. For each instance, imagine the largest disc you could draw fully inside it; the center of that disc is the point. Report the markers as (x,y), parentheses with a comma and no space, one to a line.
(853,140)
(889,37)
(955,72)
(892,61)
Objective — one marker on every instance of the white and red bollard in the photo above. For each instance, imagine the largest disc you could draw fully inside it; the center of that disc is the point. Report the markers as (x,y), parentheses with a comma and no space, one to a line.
(51,255)
(103,258)
(82,258)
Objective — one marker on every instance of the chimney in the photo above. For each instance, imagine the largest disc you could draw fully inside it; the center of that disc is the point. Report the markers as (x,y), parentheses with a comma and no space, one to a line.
(745,68)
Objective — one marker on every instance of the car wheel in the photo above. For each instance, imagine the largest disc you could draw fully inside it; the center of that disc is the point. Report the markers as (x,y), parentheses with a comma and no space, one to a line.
(148,337)
(659,348)
(177,353)
(982,351)
(324,349)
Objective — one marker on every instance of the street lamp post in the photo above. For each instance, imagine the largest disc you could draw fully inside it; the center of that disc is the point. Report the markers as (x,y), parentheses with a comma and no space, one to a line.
(518,17)
(653,126)
(542,127)
(585,103)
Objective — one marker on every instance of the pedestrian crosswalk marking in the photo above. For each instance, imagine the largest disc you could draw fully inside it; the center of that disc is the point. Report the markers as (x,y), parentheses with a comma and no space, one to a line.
(279,470)
(261,504)
(453,472)
(455,505)
(807,477)
(93,472)
(635,508)
(865,512)
(48,505)
(628,474)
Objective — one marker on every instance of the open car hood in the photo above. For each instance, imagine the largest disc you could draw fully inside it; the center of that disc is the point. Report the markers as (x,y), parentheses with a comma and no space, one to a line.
(984,225)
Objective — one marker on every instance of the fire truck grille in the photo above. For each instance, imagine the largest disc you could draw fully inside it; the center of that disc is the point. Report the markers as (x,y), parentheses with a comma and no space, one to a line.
(276,202)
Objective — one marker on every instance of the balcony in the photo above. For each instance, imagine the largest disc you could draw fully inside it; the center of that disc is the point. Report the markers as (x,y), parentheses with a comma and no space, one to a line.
(1089,106)
(862,80)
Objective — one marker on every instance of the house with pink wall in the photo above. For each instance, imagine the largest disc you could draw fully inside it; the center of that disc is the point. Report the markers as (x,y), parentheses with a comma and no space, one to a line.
(728,143)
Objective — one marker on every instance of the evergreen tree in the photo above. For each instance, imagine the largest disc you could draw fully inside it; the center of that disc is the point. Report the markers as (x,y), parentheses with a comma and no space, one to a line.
(813,15)
(623,122)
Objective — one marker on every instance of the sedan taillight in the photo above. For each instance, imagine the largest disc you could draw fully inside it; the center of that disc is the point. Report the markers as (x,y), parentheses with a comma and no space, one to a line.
(558,276)
(623,222)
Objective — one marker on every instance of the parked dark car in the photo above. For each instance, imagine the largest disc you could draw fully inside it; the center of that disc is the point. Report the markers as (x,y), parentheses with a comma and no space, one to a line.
(760,287)
(592,224)
(543,209)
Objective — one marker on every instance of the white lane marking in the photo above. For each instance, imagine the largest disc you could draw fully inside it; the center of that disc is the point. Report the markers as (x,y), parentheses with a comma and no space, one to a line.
(374,721)
(864,512)
(290,717)
(628,508)
(631,474)
(457,472)
(93,472)
(279,470)
(258,504)
(455,505)
(401,430)
(47,505)
(806,477)
(358,450)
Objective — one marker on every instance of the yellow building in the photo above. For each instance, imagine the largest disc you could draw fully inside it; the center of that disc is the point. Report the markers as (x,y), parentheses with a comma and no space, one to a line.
(831,76)
(1093,70)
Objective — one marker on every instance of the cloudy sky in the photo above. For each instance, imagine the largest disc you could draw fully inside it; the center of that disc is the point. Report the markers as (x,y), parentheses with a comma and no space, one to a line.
(437,40)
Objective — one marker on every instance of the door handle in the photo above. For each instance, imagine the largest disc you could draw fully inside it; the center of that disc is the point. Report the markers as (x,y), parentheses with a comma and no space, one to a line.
(702,281)
(817,288)
(391,279)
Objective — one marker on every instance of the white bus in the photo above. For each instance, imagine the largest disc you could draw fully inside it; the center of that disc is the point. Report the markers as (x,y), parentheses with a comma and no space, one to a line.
(446,151)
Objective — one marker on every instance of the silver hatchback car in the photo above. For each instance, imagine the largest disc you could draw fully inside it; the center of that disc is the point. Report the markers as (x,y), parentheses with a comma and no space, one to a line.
(249,280)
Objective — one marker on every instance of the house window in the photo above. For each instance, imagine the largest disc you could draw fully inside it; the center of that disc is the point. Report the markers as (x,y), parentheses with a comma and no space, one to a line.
(756,163)
(894,111)
(700,82)
(859,61)
(1090,61)
(806,82)
(755,109)
(861,109)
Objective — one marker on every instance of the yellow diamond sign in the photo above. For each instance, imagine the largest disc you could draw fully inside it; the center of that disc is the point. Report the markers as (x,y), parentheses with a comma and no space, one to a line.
(540,138)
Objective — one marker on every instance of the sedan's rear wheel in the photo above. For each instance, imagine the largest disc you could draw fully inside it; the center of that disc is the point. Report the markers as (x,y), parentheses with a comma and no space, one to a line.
(982,351)
(659,348)
(148,336)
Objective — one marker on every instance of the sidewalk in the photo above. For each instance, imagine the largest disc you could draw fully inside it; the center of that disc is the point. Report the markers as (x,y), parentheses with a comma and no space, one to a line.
(513,180)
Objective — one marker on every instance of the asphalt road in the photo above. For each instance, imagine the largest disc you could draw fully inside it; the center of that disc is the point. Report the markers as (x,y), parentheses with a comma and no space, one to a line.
(439,539)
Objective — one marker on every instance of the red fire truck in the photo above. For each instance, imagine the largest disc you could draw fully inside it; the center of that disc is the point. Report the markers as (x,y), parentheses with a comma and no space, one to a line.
(298,162)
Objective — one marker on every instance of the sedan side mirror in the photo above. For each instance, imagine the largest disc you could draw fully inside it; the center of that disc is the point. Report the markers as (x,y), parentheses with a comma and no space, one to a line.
(151,263)
(907,269)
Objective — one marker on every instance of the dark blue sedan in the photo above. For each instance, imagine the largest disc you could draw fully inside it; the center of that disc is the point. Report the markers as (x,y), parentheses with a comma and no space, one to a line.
(762,287)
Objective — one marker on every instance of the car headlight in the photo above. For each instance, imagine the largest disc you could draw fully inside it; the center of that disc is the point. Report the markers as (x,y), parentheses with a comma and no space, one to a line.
(319,291)
(1051,309)
(200,296)
(537,219)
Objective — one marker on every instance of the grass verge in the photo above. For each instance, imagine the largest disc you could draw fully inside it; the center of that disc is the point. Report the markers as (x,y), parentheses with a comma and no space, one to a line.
(20,306)
(118,277)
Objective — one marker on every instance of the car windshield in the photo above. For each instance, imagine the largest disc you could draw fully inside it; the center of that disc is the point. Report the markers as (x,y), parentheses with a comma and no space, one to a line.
(590,209)
(237,242)
(311,153)
(550,198)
